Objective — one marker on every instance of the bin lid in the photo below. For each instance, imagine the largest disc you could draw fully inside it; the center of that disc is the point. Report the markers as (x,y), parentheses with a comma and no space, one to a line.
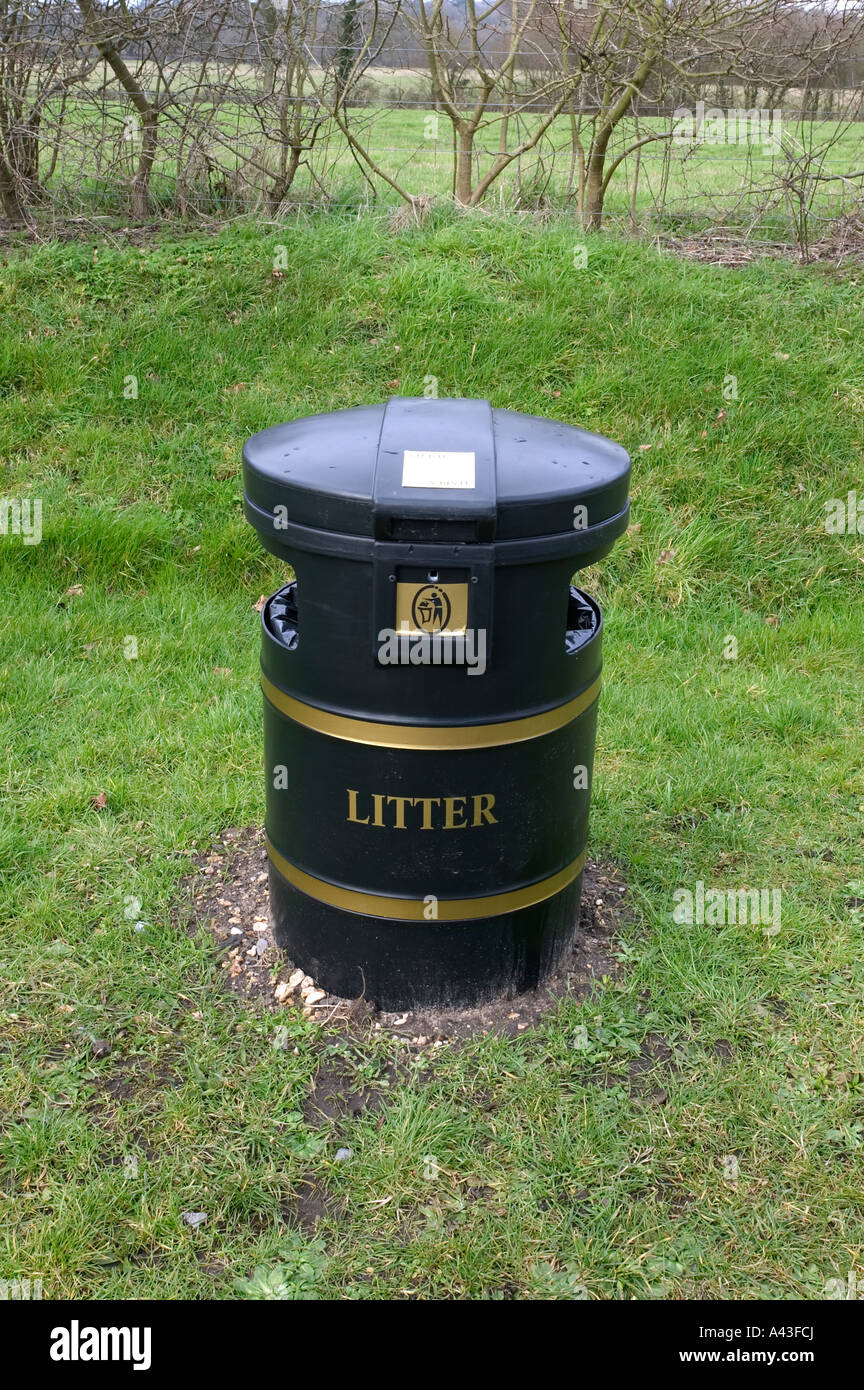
(450,470)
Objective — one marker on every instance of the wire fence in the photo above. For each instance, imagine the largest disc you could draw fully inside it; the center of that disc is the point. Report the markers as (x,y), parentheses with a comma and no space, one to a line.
(782,174)
(117,119)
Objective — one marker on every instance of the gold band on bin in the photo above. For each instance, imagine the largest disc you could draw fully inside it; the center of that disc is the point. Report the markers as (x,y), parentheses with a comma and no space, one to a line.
(428,736)
(417,909)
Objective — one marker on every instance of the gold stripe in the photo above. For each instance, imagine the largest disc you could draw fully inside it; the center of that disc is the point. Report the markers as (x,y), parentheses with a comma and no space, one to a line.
(422,736)
(414,909)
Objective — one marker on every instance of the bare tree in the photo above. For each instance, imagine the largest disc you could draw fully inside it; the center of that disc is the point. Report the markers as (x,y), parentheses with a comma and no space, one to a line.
(487,71)
(111,30)
(287,108)
(676,49)
(40,62)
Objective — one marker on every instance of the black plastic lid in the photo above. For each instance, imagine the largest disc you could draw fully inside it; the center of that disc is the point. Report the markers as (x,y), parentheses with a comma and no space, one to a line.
(421,470)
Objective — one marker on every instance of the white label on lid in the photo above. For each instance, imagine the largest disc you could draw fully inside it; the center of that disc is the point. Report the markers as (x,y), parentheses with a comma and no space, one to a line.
(437,468)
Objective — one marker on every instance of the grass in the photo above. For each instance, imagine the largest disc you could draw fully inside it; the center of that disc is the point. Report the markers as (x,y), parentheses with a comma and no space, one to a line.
(554,1179)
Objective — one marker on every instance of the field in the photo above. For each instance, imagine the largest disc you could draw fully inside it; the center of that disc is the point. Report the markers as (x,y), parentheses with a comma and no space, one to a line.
(705,1137)
(215,160)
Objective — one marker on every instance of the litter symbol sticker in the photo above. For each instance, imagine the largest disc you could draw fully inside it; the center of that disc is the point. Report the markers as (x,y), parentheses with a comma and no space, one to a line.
(431,608)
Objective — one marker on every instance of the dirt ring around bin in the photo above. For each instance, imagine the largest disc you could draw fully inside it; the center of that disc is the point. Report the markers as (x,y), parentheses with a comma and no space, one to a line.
(227,895)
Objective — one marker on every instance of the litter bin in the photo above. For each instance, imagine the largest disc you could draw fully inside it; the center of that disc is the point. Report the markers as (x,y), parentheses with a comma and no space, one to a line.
(430,687)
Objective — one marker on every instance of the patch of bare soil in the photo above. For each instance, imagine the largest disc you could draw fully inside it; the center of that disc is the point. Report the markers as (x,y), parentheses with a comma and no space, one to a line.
(227,895)
(335,1101)
(105,229)
(845,244)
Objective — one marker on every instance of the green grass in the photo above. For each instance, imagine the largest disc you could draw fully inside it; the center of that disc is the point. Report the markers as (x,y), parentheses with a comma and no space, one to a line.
(553,1176)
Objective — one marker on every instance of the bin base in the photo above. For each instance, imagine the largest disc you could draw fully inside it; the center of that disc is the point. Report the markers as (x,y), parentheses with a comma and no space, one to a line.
(408,965)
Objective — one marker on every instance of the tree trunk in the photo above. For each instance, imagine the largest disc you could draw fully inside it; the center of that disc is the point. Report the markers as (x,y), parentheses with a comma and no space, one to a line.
(147,111)
(464,162)
(347,45)
(141,181)
(594,190)
(268,19)
(27,154)
(279,191)
(10,197)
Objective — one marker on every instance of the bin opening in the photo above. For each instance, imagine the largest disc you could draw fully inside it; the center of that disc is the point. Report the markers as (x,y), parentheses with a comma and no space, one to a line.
(583,620)
(280,616)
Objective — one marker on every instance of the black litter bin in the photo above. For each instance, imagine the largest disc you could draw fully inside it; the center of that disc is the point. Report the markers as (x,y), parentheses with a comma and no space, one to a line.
(430,691)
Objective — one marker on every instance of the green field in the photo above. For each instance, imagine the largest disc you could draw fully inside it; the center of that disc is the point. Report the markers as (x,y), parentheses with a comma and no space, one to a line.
(728,179)
(707,1141)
